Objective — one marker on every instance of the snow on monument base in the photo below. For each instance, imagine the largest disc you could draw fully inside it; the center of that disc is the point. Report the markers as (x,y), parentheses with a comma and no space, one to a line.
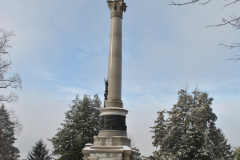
(110,148)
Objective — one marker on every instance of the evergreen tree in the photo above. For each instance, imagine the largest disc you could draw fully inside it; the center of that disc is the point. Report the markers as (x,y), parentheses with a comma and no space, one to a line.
(189,132)
(81,124)
(7,131)
(237,153)
(39,152)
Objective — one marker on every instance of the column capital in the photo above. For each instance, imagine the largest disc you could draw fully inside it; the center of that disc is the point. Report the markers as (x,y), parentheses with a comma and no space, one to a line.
(117,8)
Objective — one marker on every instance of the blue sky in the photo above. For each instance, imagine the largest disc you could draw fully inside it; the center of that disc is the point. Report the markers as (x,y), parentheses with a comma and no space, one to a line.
(61,49)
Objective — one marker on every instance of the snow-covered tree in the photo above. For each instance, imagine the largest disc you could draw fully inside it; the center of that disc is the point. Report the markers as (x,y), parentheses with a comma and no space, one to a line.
(81,124)
(39,152)
(237,153)
(189,132)
(7,139)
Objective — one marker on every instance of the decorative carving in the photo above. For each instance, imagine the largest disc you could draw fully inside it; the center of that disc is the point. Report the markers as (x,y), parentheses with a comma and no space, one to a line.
(117,8)
(114,122)
(106,91)
(116,14)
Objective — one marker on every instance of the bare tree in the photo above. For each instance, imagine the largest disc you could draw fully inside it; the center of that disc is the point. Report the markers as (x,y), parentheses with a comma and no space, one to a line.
(234,21)
(13,81)
(16,121)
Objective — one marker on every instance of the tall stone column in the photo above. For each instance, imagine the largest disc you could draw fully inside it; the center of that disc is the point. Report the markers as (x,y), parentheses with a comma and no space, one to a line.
(112,142)
(113,114)
(115,54)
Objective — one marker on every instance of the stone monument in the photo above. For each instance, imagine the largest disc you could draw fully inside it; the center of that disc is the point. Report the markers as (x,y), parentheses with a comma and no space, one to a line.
(112,142)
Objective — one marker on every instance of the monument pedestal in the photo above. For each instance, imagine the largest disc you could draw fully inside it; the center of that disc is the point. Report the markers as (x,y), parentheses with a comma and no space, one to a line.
(111,144)
(110,148)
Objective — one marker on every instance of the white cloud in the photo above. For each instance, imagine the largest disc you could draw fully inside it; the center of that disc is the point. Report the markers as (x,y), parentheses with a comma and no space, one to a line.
(44,74)
(71,90)
(82,55)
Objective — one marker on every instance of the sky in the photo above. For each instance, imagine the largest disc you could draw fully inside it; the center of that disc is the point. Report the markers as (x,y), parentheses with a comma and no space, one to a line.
(61,50)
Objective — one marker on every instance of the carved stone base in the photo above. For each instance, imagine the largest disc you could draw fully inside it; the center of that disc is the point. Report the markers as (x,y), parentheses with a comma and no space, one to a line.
(104,133)
(112,141)
(110,148)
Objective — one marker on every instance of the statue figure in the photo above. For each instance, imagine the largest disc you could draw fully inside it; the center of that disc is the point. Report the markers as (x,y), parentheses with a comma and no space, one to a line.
(106,91)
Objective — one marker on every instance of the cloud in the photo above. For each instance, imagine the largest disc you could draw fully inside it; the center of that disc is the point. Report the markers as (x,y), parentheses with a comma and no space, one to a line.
(82,55)
(72,90)
(43,74)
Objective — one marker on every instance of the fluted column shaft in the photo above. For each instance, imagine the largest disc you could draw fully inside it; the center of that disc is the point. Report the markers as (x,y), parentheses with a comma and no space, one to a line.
(115,55)
(115,60)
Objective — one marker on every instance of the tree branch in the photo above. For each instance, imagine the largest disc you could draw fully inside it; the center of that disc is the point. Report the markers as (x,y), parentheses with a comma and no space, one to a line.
(4,40)
(17,124)
(235,58)
(181,4)
(235,45)
(231,3)
(235,22)
(15,82)
(13,97)
(5,64)
(205,2)
(193,1)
